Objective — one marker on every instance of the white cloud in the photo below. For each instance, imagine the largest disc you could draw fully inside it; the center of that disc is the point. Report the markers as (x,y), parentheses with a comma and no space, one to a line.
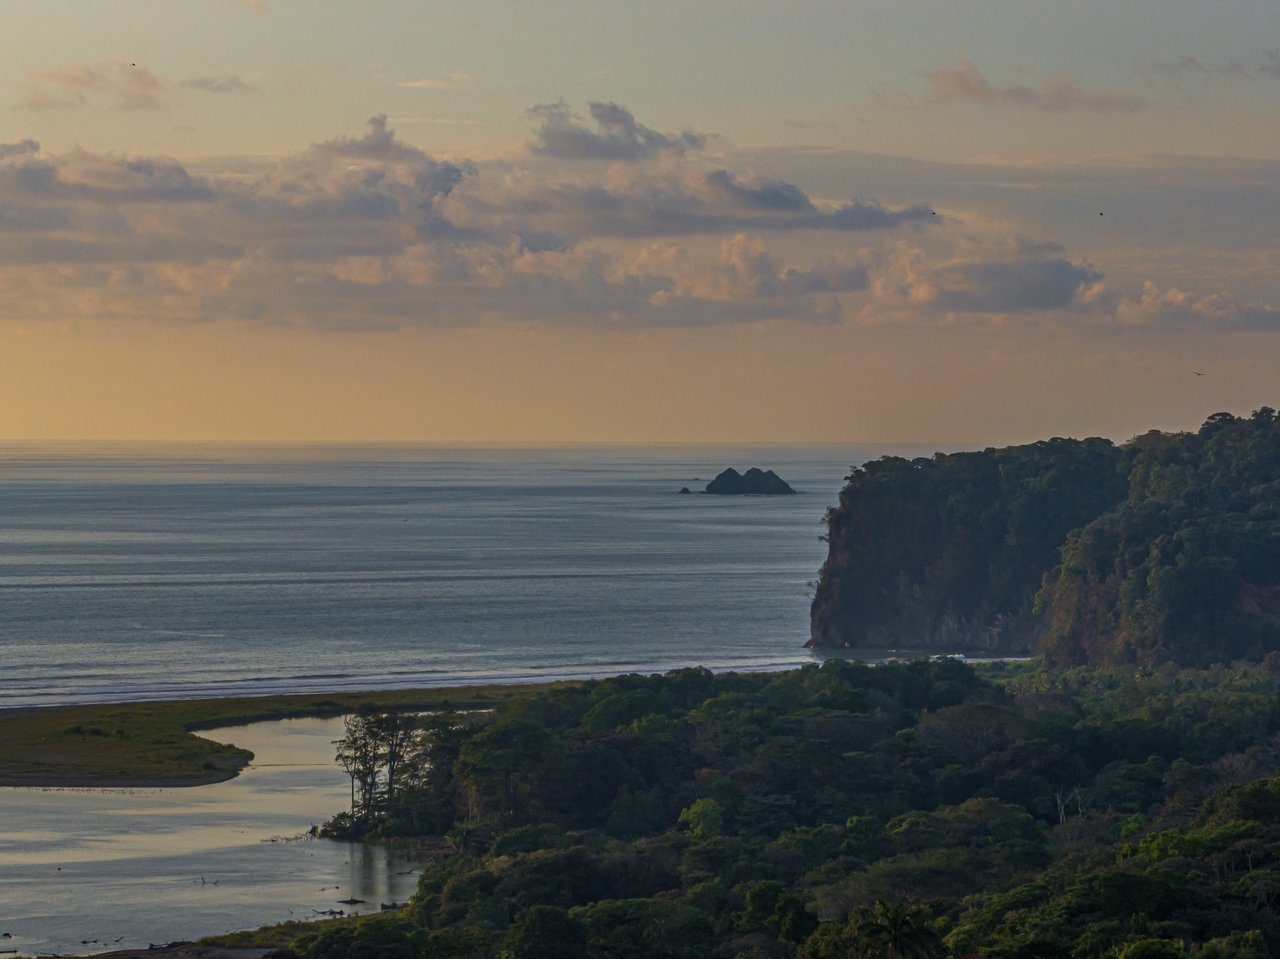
(1176,309)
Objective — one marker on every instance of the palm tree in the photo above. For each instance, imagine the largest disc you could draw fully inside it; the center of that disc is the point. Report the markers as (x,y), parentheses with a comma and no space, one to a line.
(899,930)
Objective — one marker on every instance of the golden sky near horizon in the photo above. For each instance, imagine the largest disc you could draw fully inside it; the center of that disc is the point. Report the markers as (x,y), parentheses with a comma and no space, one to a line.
(732,220)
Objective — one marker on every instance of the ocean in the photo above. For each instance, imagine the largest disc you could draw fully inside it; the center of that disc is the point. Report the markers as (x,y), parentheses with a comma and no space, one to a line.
(157,571)
(149,571)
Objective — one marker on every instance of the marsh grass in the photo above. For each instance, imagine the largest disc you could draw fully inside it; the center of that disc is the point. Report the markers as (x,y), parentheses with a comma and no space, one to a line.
(155,743)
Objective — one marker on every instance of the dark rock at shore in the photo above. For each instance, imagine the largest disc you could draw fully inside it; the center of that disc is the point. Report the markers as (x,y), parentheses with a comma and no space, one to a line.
(685,489)
(753,481)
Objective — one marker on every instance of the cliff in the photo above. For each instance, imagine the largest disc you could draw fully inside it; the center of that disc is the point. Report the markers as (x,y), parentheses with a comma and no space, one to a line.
(949,552)
(1164,549)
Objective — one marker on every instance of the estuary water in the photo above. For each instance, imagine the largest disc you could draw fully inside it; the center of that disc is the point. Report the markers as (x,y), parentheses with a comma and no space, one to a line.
(91,870)
(137,571)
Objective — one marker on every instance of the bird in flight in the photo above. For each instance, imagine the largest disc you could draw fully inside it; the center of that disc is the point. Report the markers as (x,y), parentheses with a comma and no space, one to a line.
(1197,373)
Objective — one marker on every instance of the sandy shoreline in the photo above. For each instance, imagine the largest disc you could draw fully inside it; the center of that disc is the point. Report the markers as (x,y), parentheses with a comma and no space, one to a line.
(176,950)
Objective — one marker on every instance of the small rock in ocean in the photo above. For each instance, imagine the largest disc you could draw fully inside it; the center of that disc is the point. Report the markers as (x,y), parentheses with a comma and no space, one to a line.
(684,489)
(753,481)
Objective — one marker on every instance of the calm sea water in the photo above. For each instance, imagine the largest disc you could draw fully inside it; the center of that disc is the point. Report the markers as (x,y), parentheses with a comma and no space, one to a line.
(158,571)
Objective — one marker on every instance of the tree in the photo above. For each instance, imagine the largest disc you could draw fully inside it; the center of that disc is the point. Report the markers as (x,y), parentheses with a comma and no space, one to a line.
(395,733)
(360,755)
(897,930)
(705,819)
(545,932)
(372,752)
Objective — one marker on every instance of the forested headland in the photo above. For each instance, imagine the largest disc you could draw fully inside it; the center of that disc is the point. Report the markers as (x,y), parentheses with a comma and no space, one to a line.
(1116,796)
(926,808)
(1163,549)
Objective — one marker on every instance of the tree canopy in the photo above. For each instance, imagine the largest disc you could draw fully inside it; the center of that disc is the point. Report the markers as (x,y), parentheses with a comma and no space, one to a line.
(1164,549)
(913,809)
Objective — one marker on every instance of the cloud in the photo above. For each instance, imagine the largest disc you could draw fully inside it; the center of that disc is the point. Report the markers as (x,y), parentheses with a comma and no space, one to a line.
(743,270)
(1013,286)
(763,194)
(368,231)
(1268,66)
(1019,277)
(615,134)
(449,81)
(1037,282)
(1173,308)
(965,82)
(379,143)
(20,148)
(120,85)
(358,232)
(677,199)
(1190,65)
(116,85)
(81,176)
(228,84)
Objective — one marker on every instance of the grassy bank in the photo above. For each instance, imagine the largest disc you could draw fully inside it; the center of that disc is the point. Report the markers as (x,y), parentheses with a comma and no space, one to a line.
(155,743)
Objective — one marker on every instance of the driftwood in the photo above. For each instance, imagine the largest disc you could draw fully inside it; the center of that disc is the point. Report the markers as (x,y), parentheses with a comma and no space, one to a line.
(392,905)
(353,902)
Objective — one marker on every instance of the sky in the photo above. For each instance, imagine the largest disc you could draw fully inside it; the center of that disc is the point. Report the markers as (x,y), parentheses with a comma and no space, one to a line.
(811,221)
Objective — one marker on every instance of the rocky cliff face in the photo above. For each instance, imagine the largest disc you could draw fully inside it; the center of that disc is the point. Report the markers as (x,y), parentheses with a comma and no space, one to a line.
(917,628)
(948,554)
(1164,550)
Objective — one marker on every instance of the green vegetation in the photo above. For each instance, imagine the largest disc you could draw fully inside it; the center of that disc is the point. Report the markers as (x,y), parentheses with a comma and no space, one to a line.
(921,809)
(154,744)
(1041,810)
(1188,568)
(1164,549)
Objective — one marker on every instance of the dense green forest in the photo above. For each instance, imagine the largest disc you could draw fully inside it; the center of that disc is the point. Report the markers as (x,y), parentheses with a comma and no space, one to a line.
(1166,548)
(1119,796)
(924,808)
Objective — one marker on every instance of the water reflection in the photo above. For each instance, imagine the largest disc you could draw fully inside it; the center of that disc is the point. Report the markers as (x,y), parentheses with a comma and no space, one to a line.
(89,870)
